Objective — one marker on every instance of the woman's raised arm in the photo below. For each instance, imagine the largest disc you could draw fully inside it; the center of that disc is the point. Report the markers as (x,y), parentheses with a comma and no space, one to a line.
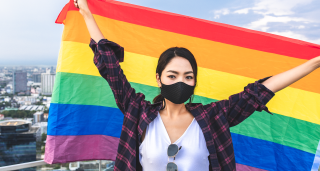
(107,56)
(286,78)
(256,95)
(92,26)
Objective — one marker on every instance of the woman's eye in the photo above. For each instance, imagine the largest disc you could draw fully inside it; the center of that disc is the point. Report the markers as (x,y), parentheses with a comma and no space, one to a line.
(190,77)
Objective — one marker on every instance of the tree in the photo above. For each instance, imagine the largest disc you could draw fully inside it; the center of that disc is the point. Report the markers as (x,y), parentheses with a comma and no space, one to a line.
(6,103)
(39,103)
(43,138)
(7,94)
(3,85)
(18,113)
(46,111)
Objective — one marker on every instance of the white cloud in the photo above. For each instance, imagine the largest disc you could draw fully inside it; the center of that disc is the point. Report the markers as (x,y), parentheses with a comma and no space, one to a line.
(274,11)
(276,7)
(262,23)
(296,36)
(218,13)
(242,11)
(287,18)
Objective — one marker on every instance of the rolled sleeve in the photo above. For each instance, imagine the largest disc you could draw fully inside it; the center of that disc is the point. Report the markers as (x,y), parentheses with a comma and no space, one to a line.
(240,106)
(103,44)
(261,94)
(107,56)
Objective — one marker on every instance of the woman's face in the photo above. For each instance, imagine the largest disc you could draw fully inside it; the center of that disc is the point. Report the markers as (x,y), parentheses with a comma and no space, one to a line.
(178,69)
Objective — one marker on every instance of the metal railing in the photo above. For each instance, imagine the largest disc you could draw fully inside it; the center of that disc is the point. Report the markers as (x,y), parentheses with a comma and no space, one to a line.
(29,165)
(23,165)
(35,164)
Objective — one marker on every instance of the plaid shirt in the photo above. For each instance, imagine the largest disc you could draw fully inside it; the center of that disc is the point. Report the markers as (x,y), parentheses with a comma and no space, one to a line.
(215,119)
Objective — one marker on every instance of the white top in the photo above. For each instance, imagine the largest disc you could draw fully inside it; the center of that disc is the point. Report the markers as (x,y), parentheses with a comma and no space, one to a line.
(192,156)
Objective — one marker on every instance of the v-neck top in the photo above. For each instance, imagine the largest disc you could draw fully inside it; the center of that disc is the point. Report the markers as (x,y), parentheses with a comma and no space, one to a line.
(192,156)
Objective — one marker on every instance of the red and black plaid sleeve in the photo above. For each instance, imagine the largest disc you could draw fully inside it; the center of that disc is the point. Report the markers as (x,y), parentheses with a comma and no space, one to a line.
(240,106)
(107,56)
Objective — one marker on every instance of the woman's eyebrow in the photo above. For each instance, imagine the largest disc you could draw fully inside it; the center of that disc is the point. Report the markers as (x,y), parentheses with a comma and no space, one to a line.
(178,73)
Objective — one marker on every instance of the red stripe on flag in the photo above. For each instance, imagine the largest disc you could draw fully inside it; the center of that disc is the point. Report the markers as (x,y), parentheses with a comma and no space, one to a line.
(204,29)
(63,14)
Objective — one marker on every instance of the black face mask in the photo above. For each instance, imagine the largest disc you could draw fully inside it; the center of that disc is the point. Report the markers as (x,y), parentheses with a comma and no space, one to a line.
(177,93)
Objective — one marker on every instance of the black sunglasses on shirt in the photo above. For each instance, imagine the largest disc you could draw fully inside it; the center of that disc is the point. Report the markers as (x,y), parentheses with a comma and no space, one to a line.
(172,151)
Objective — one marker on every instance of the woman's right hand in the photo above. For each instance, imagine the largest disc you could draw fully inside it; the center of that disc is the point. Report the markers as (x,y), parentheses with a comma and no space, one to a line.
(92,26)
(82,5)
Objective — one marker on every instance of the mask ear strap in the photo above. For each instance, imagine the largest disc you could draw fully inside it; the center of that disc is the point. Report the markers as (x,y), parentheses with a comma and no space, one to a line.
(162,96)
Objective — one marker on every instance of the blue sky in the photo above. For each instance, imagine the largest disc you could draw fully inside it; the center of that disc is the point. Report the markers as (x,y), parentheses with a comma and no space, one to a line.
(29,35)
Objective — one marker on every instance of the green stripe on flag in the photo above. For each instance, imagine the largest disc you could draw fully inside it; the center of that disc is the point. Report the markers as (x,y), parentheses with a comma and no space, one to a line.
(93,90)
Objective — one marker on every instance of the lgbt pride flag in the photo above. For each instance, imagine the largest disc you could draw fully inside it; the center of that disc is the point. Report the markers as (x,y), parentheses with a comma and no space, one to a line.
(85,123)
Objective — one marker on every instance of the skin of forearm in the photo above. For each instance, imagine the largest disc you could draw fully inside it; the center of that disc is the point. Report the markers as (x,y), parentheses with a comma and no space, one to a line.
(282,80)
(92,26)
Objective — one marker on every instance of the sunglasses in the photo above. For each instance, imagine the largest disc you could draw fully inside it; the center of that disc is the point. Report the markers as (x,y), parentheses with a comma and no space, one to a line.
(172,151)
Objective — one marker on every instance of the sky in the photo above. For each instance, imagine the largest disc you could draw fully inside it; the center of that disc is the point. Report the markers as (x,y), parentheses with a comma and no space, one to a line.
(29,35)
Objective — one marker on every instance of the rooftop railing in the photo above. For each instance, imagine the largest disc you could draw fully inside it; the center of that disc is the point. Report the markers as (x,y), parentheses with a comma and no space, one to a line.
(94,165)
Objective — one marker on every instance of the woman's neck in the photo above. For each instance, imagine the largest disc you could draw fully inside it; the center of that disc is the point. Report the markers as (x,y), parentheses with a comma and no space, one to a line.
(173,110)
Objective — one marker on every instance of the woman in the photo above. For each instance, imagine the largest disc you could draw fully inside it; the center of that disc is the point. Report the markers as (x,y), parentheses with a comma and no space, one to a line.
(169,134)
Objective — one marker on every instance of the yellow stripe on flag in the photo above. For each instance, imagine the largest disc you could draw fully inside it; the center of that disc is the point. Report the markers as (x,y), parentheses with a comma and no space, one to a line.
(213,84)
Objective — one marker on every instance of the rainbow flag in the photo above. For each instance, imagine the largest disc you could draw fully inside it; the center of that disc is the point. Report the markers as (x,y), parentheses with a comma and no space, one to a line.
(85,123)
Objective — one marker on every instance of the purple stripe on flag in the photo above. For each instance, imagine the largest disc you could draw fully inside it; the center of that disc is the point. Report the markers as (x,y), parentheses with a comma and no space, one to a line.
(241,167)
(63,149)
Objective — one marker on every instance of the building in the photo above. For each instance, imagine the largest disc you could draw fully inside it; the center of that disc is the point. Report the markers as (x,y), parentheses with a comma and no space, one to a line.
(38,117)
(18,142)
(7,99)
(45,115)
(8,90)
(36,78)
(38,90)
(47,82)
(42,127)
(19,81)
(52,70)
(25,100)
(46,101)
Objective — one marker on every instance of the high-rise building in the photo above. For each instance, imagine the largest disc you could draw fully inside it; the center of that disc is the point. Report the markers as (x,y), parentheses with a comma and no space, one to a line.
(36,78)
(47,82)
(18,142)
(38,117)
(52,70)
(19,81)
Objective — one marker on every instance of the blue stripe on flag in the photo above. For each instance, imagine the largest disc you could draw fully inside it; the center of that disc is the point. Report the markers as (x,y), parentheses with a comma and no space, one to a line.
(70,119)
(269,155)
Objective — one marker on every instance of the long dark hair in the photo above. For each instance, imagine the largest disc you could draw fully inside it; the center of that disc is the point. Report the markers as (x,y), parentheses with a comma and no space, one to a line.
(166,57)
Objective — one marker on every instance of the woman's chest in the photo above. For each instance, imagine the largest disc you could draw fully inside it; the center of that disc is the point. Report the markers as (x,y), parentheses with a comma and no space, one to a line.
(176,128)
(153,150)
